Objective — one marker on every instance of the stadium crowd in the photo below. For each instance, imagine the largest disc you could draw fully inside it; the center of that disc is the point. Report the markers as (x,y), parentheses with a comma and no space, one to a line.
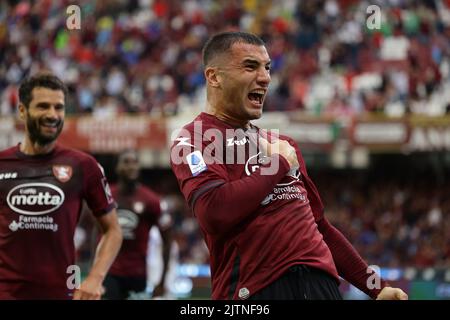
(145,55)
(392,221)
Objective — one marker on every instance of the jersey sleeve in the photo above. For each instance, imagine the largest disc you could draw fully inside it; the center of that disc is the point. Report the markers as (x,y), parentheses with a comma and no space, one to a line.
(96,190)
(195,171)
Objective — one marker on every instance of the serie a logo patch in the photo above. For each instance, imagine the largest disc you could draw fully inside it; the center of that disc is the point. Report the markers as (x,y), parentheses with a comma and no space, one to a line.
(196,162)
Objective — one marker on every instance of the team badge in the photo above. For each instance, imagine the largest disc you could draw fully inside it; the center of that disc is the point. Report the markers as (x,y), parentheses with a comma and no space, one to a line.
(138,207)
(62,173)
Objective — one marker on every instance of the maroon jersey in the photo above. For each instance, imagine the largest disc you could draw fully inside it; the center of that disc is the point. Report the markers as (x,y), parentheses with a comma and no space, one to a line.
(255,225)
(137,213)
(40,203)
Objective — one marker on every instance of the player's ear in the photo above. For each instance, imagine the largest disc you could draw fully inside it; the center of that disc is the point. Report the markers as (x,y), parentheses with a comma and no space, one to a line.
(22,111)
(211,75)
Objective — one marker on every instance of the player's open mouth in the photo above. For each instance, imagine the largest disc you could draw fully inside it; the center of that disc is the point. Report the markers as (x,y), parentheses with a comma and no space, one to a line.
(256,97)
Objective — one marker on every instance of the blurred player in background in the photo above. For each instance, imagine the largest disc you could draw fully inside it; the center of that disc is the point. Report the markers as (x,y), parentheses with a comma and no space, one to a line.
(41,192)
(139,209)
(267,235)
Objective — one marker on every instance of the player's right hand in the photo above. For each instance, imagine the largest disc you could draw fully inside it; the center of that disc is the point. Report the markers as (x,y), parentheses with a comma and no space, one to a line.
(389,293)
(281,147)
(91,289)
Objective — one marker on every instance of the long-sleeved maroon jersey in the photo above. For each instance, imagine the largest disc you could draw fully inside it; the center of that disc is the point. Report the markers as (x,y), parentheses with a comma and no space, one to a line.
(257,222)
(40,203)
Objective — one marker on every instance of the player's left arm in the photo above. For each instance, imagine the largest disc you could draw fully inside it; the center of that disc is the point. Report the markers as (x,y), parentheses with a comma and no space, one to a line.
(165,226)
(166,236)
(350,265)
(108,247)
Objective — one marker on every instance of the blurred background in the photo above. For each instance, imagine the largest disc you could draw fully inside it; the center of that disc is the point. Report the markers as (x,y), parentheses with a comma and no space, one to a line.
(368,106)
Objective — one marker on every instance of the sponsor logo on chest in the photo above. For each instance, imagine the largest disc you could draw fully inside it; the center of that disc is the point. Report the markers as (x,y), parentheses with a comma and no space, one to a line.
(287,189)
(128,221)
(34,199)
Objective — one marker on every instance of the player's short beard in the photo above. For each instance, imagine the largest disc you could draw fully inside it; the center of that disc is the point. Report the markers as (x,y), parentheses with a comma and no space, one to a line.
(33,125)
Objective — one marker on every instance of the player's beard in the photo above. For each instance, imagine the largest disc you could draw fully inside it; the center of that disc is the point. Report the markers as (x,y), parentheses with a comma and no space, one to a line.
(36,136)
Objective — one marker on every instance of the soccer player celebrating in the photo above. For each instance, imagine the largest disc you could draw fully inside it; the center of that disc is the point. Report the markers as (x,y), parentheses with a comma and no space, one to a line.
(262,218)
(42,186)
(138,209)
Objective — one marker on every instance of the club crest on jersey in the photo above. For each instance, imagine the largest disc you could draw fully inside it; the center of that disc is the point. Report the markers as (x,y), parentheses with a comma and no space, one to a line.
(196,162)
(62,173)
(138,207)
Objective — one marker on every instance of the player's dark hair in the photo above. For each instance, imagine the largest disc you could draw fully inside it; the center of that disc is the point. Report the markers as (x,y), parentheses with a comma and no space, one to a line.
(222,42)
(41,80)
(123,153)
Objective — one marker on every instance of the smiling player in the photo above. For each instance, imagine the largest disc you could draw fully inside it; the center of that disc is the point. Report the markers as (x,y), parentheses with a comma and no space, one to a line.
(41,193)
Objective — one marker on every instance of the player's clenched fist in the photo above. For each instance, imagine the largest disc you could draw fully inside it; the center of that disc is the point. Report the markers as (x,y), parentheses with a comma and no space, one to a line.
(90,289)
(281,147)
(389,293)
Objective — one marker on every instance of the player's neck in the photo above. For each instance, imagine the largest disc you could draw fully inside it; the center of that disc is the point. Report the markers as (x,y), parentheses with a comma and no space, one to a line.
(127,187)
(31,148)
(232,121)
